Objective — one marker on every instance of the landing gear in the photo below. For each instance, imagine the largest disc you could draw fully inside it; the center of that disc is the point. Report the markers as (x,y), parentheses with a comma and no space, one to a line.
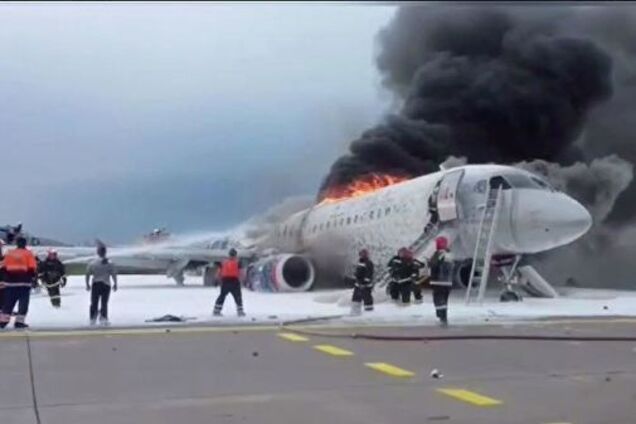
(511,281)
(509,295)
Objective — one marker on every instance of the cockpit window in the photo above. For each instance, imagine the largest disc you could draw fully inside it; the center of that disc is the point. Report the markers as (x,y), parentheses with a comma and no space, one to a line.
(521,181)
(544,185)
(527,181)
(499,181)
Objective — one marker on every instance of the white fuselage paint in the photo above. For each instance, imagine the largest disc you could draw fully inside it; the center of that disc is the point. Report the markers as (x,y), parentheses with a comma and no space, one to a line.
(532,218)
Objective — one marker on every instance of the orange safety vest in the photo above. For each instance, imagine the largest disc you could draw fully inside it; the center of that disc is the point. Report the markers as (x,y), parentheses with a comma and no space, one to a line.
(19,261)
(230,268)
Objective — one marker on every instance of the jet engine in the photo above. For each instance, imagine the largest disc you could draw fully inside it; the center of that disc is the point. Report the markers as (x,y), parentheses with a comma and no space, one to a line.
(281,273)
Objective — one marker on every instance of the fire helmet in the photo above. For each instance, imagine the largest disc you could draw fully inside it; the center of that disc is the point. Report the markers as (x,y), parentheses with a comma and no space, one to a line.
(233,252)
(441,243)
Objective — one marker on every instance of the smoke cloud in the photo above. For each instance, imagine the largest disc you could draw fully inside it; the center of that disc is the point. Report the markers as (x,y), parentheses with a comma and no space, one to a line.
(549,88)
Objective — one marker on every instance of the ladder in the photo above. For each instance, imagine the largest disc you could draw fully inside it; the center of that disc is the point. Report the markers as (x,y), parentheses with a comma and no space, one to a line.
(416,247)
(482,257)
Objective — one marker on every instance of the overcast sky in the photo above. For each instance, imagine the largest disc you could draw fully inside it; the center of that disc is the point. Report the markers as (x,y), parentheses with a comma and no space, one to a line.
(117,118)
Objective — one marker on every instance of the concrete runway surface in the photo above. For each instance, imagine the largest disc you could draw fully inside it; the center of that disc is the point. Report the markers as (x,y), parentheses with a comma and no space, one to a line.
(267,375)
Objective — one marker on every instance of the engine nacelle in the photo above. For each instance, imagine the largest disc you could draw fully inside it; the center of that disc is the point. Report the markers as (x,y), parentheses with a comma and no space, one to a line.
(281,273)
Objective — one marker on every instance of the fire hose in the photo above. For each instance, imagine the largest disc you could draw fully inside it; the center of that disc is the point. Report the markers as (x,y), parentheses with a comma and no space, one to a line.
(291,326)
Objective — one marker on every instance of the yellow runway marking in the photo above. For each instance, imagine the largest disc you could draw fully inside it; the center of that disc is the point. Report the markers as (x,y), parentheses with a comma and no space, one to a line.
(292,337)
(389,369)
(333,350)
(470,397)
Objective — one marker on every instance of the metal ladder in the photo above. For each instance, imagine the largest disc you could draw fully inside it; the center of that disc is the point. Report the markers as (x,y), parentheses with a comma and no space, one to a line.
(482,257)
(430,230)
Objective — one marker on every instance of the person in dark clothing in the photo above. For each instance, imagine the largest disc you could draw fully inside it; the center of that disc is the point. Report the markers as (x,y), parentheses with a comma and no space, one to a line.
(102,271)
(230,284)
(401,271)
(419,276)
(441,278)
(52,273)
(20,270)
(363,285)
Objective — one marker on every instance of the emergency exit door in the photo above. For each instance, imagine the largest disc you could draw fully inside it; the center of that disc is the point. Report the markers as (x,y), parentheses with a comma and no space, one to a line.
(447,196)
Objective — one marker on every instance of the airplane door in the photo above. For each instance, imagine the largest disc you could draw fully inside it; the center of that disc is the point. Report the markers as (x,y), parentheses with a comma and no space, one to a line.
(447,197)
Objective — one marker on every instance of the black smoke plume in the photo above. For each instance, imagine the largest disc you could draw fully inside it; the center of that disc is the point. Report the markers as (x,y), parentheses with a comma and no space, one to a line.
(548,88)
(486,83)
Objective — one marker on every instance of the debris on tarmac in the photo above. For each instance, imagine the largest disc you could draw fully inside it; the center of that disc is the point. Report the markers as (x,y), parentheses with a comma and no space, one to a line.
(436,374)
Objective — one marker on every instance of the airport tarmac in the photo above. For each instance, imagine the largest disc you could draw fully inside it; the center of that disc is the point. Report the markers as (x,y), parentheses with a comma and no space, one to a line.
(273,375)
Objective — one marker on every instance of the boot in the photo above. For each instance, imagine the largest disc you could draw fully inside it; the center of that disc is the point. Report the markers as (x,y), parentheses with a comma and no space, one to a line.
(3,324)
(356,309)
(20,325)
(240,312)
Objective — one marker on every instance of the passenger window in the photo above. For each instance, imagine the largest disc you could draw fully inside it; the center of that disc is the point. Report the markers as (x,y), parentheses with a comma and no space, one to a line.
(348,220)
(379,213)
(387,211)
(320,226)
(371,215)
(341,222)
(328,224)
(480,187)
(355,219)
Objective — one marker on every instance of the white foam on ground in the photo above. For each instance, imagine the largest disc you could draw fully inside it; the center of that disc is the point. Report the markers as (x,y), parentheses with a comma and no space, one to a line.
(145,297)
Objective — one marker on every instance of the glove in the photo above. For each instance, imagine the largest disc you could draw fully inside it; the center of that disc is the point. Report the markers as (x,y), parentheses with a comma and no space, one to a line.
(63,281)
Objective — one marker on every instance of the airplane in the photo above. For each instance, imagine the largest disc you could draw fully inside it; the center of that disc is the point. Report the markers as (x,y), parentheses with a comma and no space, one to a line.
(534,217)
(310,249)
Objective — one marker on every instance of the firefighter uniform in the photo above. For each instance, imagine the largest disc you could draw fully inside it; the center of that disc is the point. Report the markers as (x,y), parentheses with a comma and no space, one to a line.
(230,284)
(420,277)
(363,285)
(401,271)
(20,271)
(52,274)
(441,283)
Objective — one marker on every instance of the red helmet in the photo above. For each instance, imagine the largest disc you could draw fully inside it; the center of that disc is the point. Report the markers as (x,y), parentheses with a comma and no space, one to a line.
(441,243)
(364,253)
(408,253)
(402,251)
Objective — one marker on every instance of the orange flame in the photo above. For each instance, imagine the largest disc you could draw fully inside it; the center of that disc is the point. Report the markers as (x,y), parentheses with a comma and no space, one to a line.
(359,187)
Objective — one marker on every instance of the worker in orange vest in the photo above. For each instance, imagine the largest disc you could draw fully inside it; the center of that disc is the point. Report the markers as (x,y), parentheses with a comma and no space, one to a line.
(230,284)
(20,270)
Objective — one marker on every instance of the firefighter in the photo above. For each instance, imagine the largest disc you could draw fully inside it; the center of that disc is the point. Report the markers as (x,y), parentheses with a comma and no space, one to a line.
(401,272)
(230,284)
(441,281)
(20,271)
(363,284)
(419,276)
(52,273)
(102,271)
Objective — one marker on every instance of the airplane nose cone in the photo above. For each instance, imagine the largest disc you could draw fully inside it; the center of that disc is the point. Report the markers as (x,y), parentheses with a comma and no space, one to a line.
(548,220)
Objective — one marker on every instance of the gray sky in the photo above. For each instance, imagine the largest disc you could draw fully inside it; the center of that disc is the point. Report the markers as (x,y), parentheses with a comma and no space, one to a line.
(117,118)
